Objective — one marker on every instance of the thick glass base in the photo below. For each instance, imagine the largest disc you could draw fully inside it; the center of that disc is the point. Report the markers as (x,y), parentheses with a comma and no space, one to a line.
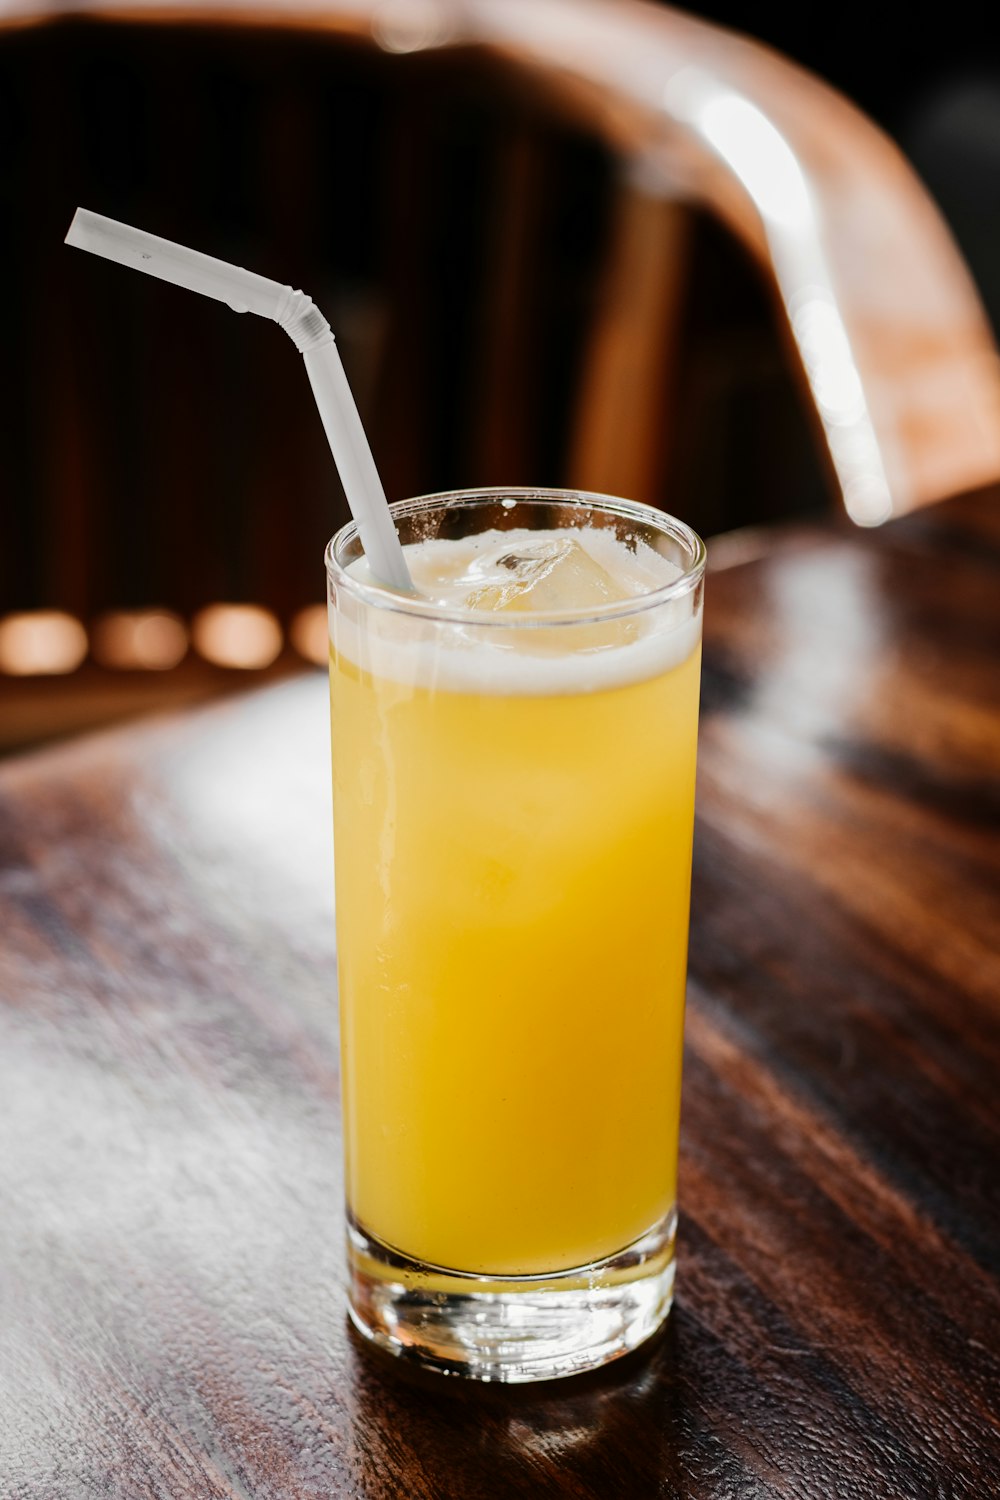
(511,1328)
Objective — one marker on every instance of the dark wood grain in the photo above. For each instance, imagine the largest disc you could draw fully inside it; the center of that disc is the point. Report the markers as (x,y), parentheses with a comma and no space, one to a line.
(173,1309)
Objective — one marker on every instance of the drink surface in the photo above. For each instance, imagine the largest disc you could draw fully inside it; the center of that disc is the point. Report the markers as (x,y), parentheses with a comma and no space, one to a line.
(513,813)
(544,571)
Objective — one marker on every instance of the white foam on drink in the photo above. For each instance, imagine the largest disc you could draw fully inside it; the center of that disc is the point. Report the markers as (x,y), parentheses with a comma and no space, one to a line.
(504,650)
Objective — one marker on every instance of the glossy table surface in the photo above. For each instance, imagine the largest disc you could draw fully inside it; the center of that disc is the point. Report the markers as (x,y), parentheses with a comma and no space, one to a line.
(172,1320)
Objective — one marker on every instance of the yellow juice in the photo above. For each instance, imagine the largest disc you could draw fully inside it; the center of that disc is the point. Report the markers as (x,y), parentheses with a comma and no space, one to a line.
(513,874)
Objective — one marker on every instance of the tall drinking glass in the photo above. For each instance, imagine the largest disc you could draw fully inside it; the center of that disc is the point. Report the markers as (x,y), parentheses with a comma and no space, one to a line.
(513,808)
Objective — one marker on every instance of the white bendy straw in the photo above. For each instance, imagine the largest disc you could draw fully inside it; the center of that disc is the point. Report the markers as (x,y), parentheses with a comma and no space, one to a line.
(244,291)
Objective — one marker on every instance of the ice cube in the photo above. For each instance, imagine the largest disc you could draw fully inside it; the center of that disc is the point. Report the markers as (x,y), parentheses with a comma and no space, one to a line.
(547,576)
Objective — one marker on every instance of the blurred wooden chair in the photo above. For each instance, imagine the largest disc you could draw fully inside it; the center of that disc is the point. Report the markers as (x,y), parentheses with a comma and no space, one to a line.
(511,212)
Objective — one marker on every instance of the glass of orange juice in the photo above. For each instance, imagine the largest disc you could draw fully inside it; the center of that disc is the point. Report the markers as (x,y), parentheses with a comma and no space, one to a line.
(514,770)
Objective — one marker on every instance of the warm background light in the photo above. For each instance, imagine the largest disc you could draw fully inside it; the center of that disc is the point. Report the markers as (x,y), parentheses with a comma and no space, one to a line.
(310,634)
(151,640)
(237,635)
(44,641)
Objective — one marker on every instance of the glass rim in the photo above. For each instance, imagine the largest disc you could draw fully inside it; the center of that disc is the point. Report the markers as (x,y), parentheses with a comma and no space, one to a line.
(380,596)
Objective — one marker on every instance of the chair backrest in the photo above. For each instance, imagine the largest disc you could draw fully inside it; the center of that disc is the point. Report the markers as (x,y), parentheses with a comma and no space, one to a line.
(891,342)
(387,155)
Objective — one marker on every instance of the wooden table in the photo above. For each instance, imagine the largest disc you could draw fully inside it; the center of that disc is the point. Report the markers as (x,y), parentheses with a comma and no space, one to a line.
(173,1309)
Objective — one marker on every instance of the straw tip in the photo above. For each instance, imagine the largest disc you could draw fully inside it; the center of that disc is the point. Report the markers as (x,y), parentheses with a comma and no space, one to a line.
(75,233)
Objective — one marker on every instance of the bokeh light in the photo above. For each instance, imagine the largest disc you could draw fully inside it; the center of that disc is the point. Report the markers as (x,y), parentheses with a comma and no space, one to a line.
(244,636)
(150,640)
(310,634)
(42,642)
